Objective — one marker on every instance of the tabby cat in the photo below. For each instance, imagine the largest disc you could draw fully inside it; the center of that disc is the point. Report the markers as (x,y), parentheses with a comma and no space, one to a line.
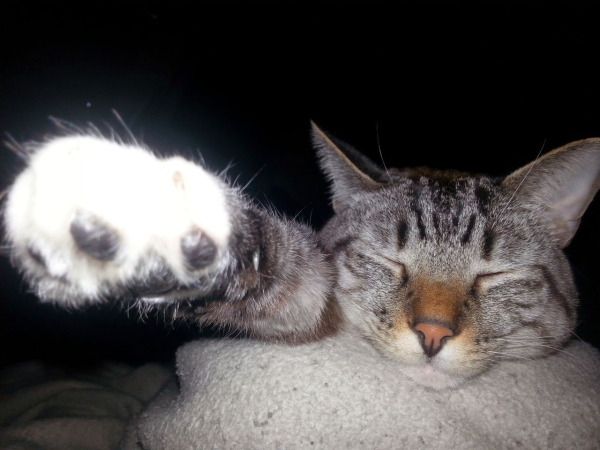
(444,272)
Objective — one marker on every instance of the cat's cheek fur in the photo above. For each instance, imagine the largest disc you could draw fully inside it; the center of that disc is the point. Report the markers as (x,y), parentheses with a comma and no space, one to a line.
(149,202)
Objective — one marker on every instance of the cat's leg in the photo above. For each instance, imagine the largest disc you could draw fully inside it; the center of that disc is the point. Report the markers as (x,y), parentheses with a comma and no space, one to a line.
(90,219)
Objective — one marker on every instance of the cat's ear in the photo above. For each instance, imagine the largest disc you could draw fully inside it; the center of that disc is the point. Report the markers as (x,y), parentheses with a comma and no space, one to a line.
(349,171)
(560,185)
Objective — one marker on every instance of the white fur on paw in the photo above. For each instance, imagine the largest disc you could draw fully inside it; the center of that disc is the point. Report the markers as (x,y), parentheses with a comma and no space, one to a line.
(150,203)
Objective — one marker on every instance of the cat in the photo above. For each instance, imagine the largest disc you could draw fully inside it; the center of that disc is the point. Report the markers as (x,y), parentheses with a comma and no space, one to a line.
(444,272)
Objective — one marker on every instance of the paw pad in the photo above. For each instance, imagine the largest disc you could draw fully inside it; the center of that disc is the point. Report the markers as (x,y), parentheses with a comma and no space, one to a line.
(198,249)
(93,237)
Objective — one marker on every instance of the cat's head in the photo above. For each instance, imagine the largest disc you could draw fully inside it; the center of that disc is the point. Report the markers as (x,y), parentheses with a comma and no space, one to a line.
(448,273)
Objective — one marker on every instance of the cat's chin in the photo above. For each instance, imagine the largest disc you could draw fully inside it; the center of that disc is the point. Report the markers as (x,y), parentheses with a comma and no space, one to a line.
(431,377)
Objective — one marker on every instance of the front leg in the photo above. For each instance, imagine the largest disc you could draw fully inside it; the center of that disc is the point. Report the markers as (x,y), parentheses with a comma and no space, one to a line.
(91,219)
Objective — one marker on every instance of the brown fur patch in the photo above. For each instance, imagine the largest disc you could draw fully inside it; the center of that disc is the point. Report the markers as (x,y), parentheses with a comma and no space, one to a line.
(438,302)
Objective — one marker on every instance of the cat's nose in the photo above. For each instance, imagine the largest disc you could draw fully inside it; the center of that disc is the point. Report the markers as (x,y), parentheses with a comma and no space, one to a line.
(432,337)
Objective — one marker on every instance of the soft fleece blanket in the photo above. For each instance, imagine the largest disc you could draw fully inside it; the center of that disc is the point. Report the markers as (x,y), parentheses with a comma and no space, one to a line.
(341,394)
(336,394)
(51,408)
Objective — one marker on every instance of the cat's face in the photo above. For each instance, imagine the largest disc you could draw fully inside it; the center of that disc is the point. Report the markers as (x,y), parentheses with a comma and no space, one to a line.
(448,274)
(445,254)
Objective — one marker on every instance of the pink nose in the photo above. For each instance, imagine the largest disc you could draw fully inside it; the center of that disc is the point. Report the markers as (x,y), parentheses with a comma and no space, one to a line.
(432,336)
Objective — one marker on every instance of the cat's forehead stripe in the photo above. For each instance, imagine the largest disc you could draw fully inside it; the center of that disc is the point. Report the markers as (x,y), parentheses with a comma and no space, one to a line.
(440,208)
(488,243)
(483,194)
(467,236)
(420,224)
(402,234)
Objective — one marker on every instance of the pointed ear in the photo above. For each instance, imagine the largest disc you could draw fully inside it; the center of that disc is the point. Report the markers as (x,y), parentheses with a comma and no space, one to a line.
(349,170)
(560,185)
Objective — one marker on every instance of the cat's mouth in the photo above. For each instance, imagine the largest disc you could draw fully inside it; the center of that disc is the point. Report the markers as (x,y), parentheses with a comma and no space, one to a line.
(448,369)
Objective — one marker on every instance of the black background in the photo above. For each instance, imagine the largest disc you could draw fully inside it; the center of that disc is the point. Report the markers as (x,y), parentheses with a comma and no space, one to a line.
(478,87)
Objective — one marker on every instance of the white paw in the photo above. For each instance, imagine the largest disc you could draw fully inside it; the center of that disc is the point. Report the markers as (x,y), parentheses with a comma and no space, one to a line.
(89,217)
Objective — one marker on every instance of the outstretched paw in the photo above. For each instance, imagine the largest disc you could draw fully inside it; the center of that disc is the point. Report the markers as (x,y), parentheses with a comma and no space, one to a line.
(90,218)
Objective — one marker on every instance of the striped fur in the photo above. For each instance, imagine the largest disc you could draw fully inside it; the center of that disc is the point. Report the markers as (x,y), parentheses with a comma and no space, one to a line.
(478,257)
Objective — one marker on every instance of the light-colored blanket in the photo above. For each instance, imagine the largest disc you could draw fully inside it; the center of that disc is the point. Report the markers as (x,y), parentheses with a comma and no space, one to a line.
(49,408)
(341,394)
(336,394)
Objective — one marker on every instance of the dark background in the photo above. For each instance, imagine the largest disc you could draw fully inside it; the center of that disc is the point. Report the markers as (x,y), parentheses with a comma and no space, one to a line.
(477,87)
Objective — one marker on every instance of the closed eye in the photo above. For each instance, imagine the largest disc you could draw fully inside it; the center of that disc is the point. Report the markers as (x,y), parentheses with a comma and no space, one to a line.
(490,275)
(394,265)
(489,278)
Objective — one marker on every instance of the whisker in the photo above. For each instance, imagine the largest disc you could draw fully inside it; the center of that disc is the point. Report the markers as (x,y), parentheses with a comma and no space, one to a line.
(541,337)
(519,185)
(253,177)
(530,339)
(380,152)
(300,212)
(546,346)
(573,333)
(511,355)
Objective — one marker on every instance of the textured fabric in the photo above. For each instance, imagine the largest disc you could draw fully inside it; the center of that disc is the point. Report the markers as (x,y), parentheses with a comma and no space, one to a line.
(48,408)
(340,394)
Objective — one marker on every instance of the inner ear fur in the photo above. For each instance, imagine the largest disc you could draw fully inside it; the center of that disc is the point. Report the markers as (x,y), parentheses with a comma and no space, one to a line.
(561,184)
(349,171)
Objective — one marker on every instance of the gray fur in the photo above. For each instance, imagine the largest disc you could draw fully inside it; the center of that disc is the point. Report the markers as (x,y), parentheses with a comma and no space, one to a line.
(500,250)
(478,256)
